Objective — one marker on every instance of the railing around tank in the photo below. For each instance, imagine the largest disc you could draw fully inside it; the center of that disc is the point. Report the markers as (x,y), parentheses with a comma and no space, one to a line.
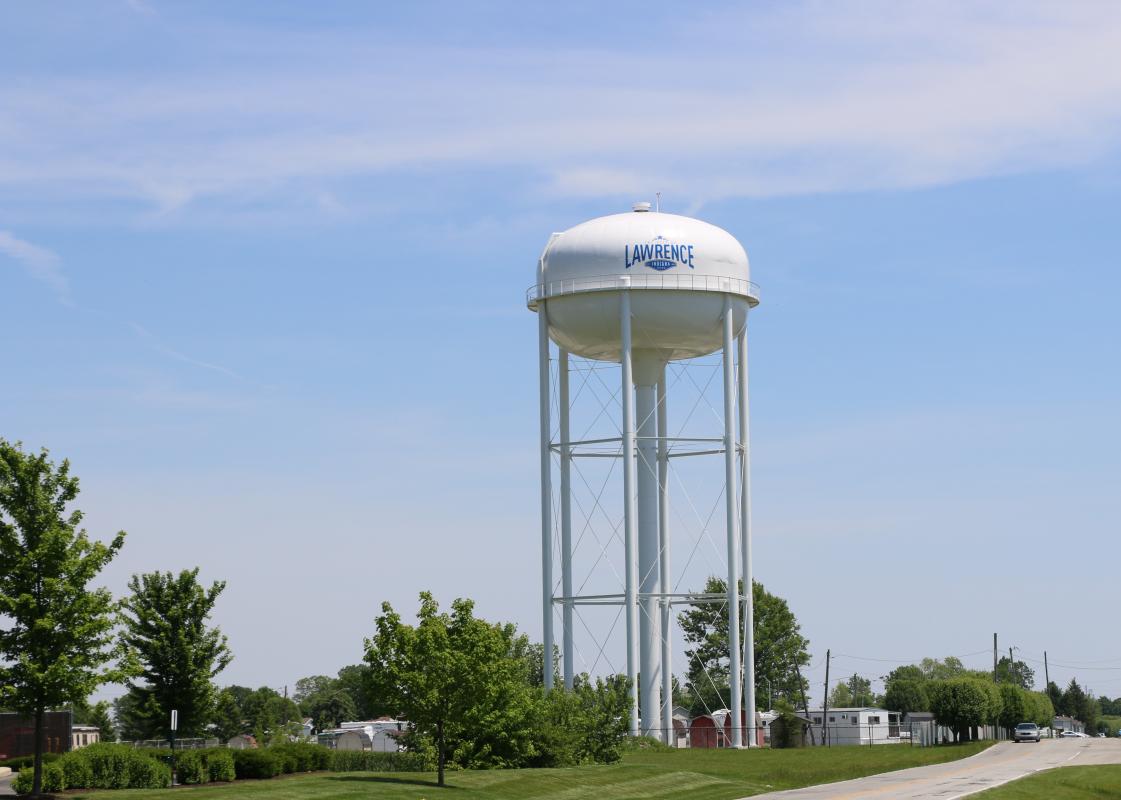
(676,282)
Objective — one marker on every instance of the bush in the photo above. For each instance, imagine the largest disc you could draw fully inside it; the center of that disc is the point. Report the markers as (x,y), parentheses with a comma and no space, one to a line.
(220,764)
(76,770)
(54,780)
(26,762)
(364,761)
(190,766)
(255,764)
(303,756)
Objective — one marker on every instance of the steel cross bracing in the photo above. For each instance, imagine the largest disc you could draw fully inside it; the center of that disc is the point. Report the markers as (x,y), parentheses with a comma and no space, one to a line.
(599,531)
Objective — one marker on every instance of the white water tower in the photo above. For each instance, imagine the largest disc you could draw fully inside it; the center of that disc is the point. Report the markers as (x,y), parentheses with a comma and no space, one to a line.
(644,289)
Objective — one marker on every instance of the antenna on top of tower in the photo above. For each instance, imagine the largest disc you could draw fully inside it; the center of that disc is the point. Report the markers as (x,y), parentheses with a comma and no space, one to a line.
(658,203)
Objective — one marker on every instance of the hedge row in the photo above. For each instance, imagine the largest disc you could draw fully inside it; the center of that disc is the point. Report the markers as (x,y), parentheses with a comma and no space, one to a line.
(362,761)
(99,766)
(112,766)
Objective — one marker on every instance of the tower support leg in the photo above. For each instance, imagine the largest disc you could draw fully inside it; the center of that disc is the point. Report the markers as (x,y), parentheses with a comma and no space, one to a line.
(629,510)
(732,514)
(546,495)
(568,651)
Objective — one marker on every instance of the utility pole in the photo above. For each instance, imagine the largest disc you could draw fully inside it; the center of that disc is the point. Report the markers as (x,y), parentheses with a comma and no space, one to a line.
(1010,660)
(994,656)
(1047,690)
(805,703)
(825,705)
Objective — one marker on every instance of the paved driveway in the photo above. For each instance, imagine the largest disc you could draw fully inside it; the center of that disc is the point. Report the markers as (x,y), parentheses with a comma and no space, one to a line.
(6,785)
(999,764)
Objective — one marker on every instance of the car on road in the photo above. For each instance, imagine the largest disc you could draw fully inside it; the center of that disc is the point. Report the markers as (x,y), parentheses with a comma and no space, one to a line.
(1073,735)
(1026,732)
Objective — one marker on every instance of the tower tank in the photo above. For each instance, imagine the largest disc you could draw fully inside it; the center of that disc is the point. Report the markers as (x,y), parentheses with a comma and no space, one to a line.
(643,289)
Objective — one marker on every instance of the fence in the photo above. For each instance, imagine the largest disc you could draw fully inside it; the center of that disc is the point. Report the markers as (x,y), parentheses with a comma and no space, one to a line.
(861,734)
(180,744)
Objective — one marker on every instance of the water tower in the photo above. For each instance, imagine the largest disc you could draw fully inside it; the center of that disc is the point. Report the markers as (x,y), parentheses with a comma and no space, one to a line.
(643,289)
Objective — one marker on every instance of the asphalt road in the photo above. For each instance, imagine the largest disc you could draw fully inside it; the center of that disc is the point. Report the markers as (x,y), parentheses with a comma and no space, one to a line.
(6,785)
(999,764)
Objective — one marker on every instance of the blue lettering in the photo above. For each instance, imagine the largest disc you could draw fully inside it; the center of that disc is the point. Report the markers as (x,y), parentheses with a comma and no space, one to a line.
(690,256)
(627,255)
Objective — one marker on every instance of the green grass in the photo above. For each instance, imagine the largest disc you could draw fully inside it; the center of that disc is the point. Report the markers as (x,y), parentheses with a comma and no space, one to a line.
(685,774)
(1068,783)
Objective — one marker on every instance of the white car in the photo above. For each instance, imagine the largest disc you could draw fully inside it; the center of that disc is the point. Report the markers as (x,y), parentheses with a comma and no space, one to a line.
(1073,735)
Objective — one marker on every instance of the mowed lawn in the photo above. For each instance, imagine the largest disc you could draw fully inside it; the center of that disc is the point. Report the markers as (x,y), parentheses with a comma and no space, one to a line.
(1068,783)
(685,774)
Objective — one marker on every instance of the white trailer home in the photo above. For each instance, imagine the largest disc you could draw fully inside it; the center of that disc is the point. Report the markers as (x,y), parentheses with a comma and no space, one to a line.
(854,726)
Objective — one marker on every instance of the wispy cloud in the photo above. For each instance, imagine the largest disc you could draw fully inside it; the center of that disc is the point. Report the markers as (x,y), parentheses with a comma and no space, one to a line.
(40,263)
(858,96)
(163,349)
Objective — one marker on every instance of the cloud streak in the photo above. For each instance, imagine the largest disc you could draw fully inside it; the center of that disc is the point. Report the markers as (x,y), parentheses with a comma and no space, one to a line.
(38,262)
(857,97)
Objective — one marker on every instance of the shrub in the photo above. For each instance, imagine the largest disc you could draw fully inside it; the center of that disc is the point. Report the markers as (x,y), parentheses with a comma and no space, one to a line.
(303,756)
(76,770)
(220,765)
(255,764)
(190,766)
(365,761)
(116,766)
(27,762)
(54,780)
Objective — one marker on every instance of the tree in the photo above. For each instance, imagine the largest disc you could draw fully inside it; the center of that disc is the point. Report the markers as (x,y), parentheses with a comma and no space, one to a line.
(962,704)
(56,629)
(355,681)
(228,718)
(780,649)
(585,725)
(906,695)
(1055,695)
(909,672)
(330,708)
(1017,705)
(860,689)
(841,696)
(96,715)
(933,669)
(454,678)
(1016,673)
(165,634)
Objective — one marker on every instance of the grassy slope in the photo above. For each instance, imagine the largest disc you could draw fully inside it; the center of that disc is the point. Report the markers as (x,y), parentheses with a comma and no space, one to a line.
(684,774)
(1068,783)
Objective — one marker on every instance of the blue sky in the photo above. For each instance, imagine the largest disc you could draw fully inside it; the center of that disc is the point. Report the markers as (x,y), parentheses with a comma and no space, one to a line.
(262,271)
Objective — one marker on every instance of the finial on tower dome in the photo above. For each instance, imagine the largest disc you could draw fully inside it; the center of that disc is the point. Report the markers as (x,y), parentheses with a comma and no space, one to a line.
(643,206)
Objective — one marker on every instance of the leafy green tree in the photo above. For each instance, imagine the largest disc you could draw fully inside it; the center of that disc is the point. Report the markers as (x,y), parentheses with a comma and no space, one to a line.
(165,634)
(909,672)
(228,718)
(1017,705)
(1055,695)
(963,704)
(906,695)
(312,685)
(331,708)
(861,691)
(1016,673)
(455,679)
(841,696)
(583,726)
(95,714)
(779,649)
(55,629)
(1043,713)
(355,680)
(935,670)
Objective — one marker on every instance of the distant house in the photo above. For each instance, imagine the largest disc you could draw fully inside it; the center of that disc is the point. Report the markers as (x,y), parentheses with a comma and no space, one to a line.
(379,735)
(306,730)
(867,725)
(1061,723)
(84,735)
(243,741)
(715,729)
(680,727)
